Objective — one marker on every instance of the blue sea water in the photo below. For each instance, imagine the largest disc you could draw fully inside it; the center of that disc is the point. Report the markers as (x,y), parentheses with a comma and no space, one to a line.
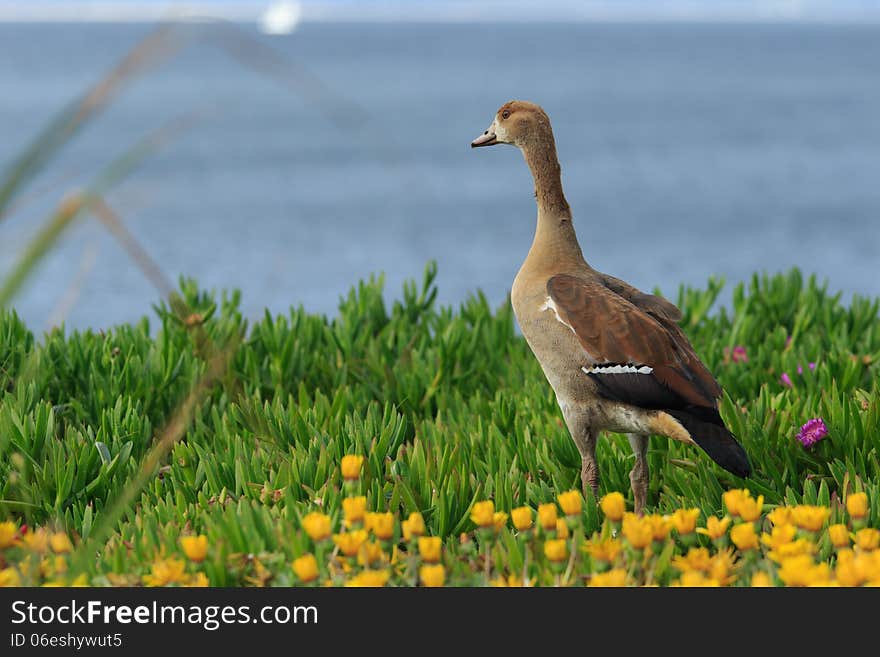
(687,151)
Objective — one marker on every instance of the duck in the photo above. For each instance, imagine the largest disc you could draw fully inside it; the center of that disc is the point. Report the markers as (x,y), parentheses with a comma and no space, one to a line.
(615,356)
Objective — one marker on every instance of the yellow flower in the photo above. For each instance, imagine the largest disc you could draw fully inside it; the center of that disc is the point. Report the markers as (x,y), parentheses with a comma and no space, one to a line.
(637,531)
(720,567)
(317,525)
(780,535)
(750,508)
(381,524)
(60,543)
(810,517)
(603,550)
(781,515)
(561,528)
(370,553)
(349,543)
(556,550)
(869,562)
(547,516)
(570,502)
(483,513)
(696,559)
(414,526)
(166,571)
(195,547)
(306,567)
(46,567)
(59,565)
(613,505)
(260,576)
(430,548)
(8,535)
(684,521)
(868,539)
(802,571)
(369,577)
(761,579)
(199,580)
(354,509)
(36,540)
(839,535)
(522,518)
(613,578)
(432,576)
(857,505)
(855,569)
(693,578)
(848,572)
(715,528)
(659,527)
(744,537)
(9,577)
(499,519)
(351,466)
(794,549)
(733,500)
(511,581)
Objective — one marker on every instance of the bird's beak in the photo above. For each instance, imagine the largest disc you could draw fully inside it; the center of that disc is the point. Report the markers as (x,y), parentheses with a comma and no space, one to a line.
(488,138)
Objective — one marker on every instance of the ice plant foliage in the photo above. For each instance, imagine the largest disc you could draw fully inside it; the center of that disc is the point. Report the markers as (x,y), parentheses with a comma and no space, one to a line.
(801,545)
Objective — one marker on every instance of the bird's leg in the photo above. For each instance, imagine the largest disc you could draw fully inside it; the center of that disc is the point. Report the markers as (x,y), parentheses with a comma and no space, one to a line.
(638,476)
(586,444)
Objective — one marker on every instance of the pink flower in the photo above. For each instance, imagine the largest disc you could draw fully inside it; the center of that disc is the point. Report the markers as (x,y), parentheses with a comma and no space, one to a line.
(812,432)
(740,355)
(786,380)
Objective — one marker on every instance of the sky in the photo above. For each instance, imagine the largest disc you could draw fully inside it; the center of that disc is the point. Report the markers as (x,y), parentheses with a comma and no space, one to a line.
(452,10)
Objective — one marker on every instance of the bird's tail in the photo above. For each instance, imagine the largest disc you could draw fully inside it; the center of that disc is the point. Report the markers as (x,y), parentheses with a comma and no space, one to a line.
(714,439)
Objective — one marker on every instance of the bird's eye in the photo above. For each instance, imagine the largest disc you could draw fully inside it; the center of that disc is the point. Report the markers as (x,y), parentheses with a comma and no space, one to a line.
(505,114)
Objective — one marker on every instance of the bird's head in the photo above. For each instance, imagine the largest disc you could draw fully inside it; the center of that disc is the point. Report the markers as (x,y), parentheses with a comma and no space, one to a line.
(519,123)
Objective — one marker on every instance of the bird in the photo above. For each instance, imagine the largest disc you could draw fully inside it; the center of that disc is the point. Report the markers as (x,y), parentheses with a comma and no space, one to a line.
(615,356)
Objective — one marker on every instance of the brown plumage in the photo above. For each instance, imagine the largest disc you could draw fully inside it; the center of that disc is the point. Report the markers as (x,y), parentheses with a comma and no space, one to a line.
(614,355)
(613,329)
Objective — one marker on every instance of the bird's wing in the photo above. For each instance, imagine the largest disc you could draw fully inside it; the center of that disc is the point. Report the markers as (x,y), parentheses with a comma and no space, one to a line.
(641,358)
(650,303)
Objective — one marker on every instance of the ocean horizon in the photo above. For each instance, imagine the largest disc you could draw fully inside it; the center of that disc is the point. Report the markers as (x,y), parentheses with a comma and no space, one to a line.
(687,152)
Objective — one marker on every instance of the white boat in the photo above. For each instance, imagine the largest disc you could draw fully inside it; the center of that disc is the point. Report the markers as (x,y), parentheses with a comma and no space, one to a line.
(280,17)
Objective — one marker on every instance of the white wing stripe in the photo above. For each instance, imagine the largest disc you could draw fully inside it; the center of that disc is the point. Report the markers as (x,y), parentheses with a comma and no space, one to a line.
(549,304)
(617,369)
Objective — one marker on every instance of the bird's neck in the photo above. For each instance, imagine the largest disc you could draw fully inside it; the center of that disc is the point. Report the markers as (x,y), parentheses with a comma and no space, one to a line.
(555,238)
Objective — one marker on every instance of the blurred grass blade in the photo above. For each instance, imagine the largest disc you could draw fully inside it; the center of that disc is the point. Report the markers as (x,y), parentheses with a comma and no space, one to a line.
(111,220)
